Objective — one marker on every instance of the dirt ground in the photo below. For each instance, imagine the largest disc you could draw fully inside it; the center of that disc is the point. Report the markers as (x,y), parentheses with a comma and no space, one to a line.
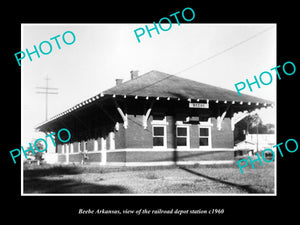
(148,180)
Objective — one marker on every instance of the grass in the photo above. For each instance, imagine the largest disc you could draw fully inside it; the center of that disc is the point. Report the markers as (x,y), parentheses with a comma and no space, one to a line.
(212,179)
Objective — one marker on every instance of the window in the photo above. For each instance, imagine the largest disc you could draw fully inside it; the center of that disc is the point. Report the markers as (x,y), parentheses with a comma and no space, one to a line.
(182,136)
(159,131)
(159,136)
(204,137)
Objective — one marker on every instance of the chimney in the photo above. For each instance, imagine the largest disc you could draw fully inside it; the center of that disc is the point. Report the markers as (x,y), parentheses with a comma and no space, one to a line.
(134,74)
(119,81)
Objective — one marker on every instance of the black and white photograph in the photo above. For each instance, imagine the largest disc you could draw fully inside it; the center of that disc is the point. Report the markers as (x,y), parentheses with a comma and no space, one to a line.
(143,110)
(187,111)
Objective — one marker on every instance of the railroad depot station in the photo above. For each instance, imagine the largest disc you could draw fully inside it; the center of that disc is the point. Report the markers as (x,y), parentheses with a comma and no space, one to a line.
(151,119)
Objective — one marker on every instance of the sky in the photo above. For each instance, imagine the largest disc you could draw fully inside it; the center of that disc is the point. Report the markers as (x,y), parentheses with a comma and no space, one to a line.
(216,54)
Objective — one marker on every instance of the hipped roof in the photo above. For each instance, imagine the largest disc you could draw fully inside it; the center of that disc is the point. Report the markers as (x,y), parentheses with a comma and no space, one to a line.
(159,84)
(163,85)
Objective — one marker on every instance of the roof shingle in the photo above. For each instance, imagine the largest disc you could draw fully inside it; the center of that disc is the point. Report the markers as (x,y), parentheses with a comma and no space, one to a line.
(163,85)
(159,84)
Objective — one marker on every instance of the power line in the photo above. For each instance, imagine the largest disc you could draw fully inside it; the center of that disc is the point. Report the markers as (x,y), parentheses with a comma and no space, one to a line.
(225,50)
(46,92)
(202,61)
(208,58)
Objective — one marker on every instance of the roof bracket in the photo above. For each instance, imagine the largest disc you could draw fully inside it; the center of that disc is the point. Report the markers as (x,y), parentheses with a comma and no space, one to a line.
(237,118)
(146,116)
(122,114)
(221,118)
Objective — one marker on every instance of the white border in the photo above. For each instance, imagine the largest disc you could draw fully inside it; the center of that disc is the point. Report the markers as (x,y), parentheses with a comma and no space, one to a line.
(213,194)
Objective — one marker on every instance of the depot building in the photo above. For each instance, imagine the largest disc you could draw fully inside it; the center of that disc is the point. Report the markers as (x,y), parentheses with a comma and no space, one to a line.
(151,119)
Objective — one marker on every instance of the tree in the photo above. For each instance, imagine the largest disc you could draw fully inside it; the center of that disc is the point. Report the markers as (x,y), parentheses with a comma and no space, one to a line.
(251,124)
(270,128)
(38,155)
(255,122)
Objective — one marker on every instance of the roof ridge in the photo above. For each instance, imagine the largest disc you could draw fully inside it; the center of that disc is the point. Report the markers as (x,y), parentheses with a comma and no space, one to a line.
(149,85)
(127,81)
(159,76)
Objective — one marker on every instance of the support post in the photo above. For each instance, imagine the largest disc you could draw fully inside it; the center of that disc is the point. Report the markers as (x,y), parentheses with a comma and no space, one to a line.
(67,152)
(71,147)
(103,152)
(95,145)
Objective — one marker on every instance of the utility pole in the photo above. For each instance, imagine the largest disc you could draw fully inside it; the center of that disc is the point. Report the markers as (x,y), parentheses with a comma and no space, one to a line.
(257,120)
(46,92)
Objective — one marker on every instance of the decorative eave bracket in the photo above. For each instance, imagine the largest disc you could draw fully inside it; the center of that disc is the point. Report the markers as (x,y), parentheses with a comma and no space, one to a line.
(147,114)
(122,114)
(221,118)
(237,118)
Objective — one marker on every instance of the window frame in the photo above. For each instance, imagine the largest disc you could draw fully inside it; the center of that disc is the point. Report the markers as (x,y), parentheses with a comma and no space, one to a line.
(160,123)
(208,126)
(164,136)
(187,126)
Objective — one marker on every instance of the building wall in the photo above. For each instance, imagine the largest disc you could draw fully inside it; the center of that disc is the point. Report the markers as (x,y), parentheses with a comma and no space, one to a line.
(205,155)
(81,146)
(75,157)
(169,156)
(107,143)
(61,158)
(223,138)
(119,156)
(78,157)
(171,131)
(76,147)
(120,137)
(90,145)
(150,156)
(135,135)
(93,157)
(58,148)
(194,136)
(99,143)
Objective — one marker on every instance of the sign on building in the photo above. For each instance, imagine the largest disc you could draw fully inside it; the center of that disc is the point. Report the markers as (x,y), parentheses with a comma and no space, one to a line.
(199,105)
